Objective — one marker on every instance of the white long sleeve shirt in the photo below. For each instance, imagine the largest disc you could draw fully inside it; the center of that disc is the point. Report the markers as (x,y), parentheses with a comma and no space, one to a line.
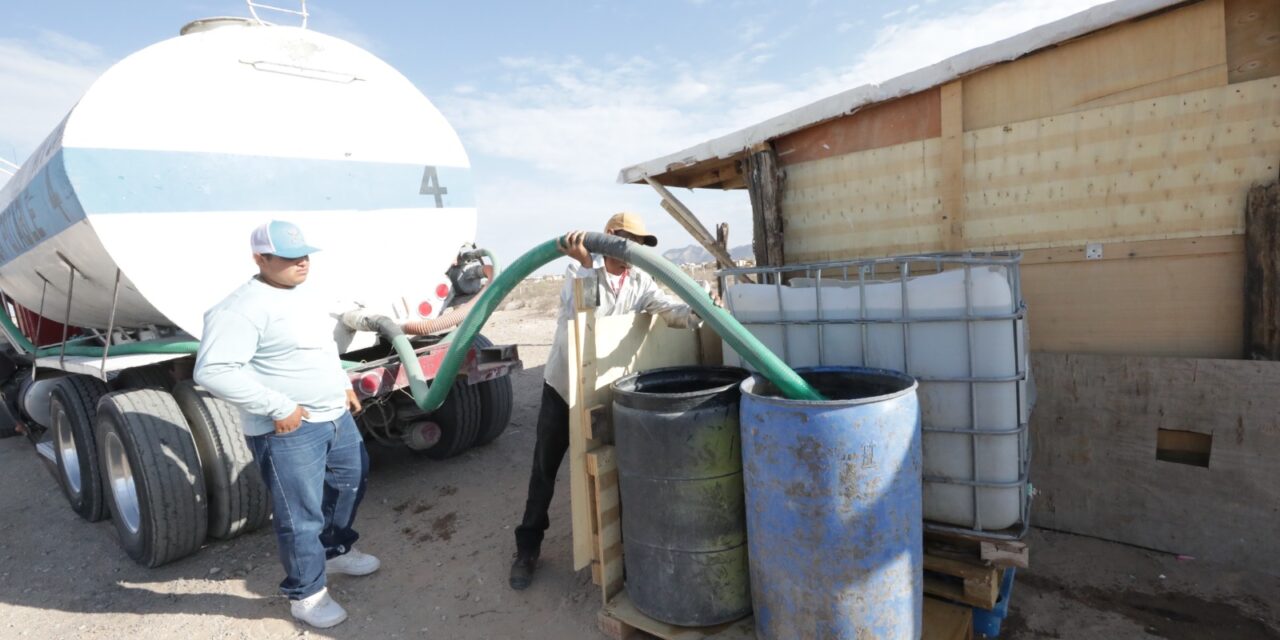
(636,291)
(267,351)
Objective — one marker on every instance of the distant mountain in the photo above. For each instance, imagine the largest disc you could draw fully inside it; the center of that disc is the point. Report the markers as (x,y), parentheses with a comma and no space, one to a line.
(695,254)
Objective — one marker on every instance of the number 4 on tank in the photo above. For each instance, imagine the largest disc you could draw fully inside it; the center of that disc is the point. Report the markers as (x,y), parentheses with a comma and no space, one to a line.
(431,186)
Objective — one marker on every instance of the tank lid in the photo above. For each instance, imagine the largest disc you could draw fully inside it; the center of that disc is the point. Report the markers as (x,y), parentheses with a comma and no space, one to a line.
(209,24)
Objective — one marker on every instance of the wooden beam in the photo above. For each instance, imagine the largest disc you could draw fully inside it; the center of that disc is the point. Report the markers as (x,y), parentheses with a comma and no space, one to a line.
(764,182)
(690,222)
(1262,272)
(714,177)
(951,190)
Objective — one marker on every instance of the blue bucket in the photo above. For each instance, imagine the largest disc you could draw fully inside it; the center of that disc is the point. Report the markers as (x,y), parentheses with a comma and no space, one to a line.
(834,511)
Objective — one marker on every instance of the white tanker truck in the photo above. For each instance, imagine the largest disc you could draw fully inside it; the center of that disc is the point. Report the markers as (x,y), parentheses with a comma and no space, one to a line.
(133,218)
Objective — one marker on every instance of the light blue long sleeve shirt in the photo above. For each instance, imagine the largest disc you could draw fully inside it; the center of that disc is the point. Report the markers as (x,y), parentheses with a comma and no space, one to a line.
(267,351)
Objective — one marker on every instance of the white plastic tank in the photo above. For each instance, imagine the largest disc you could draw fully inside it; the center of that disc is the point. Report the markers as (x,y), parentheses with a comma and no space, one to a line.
(178,151)
(927,350)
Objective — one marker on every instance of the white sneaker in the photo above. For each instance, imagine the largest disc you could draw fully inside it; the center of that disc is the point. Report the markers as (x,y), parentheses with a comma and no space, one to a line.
(318,610)
(353,563)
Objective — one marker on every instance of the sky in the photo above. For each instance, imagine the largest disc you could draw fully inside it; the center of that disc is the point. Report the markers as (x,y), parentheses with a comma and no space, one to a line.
(550,98)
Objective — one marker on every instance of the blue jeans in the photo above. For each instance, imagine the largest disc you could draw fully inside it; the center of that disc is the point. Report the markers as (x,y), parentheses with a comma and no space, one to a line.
(316,475)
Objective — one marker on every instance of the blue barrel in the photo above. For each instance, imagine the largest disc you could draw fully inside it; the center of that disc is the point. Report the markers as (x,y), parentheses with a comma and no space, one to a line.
(833,493)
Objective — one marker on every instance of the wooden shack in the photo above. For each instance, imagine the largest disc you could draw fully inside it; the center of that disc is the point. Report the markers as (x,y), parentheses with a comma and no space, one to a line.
(1116,149)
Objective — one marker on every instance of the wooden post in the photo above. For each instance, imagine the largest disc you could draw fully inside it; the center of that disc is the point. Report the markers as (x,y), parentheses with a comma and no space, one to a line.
(764,182)
(1262,272)
(722,239)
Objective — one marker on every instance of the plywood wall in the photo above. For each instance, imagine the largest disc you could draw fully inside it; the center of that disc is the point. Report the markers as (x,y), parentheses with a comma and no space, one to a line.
(1171,167)
(1174,52)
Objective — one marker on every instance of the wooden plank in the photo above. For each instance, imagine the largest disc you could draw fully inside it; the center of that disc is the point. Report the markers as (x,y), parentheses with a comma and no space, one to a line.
(966,581)
(690,222)
(765,184)
(1206,246)
(951,189)
(620,619)
(614,628)
(1095,430)
(1185,306)
(620,608)
(1169,53)
(581,335)
(1262,272)
(1253,39)
(946,621)
(907,119)
(602,465)
(1005,554)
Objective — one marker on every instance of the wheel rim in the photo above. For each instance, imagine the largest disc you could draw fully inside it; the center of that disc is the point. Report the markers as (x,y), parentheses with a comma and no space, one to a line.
(124,491)
(67,451)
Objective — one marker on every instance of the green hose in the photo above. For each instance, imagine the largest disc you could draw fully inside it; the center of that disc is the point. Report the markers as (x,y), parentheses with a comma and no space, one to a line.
(429,397)
(184,347)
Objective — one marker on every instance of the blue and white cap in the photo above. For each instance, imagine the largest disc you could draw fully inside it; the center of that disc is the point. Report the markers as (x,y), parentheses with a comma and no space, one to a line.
(282,239)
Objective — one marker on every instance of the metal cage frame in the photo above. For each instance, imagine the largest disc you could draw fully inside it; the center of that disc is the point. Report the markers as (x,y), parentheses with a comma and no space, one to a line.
(901,268)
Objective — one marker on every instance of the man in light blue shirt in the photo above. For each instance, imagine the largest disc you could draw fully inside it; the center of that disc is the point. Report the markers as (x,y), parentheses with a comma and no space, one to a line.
(268,349)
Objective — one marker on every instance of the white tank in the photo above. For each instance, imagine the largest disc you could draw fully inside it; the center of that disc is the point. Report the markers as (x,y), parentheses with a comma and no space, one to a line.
(178,151)
(931,351)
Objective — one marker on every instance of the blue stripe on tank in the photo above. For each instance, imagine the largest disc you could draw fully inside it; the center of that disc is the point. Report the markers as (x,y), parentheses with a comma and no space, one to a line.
(129,181)
(44,207)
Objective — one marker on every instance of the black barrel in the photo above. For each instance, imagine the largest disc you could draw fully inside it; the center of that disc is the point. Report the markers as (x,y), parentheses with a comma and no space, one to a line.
(684,529)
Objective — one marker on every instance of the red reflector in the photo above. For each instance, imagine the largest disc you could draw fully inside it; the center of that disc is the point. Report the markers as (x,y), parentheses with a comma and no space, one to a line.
(371,382)
(442,291)
(424,309)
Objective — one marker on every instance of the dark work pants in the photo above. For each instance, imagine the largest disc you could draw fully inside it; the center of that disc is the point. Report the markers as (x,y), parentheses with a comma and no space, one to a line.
(548,453)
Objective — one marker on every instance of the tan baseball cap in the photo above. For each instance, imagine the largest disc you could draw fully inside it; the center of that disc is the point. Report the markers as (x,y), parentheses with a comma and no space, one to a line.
(632,224)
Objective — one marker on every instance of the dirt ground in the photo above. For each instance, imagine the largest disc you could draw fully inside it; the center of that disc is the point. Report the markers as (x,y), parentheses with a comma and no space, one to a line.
(444,533)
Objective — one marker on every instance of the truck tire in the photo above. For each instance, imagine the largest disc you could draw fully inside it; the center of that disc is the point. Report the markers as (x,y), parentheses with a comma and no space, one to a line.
(459,421)
(73,403)
(496,402)
(9,415)
(157,494)
(152,376)
(238,499)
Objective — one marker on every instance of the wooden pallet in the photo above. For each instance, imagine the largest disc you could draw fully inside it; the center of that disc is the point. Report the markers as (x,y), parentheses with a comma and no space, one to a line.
(619,620)
(969,571)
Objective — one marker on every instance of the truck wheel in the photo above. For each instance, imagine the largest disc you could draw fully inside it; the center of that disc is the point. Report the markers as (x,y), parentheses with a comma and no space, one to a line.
(496,402)
(152,376)
(238,499)
(459,421)
(495,408)
(157,494)
(73,404)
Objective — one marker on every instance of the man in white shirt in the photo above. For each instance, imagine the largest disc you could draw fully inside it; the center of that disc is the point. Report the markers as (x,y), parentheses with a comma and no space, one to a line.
(268,349)
(622,289)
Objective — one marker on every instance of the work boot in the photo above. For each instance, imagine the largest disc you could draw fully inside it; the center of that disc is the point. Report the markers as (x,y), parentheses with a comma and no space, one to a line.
(318,610)
(522,569)
(352,563)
